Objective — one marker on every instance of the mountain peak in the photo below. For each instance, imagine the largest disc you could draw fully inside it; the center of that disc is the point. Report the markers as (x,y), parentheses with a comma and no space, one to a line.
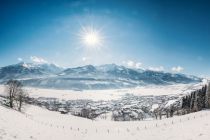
(89,76)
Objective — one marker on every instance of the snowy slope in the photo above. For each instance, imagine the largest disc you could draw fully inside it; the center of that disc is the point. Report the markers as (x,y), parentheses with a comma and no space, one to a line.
(40,124)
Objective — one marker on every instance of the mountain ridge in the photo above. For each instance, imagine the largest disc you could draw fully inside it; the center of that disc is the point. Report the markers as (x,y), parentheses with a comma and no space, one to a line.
(89,76)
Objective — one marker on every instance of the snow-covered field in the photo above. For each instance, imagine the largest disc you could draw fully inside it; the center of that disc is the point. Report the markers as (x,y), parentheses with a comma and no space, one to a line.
(40,124)
(110,94)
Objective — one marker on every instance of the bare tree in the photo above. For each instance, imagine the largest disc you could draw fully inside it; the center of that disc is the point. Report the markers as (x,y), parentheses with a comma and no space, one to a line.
(14,89)
(20,97)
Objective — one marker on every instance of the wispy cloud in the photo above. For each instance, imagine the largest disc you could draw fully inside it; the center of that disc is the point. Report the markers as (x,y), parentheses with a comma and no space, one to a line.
(138,65)
(38,59)
(19,59)
(84,59)
(160,68)
(132,64)
(177,69)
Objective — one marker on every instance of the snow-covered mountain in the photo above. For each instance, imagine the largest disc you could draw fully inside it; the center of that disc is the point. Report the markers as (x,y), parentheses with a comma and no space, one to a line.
(89,77)
(113,71)
(28,70)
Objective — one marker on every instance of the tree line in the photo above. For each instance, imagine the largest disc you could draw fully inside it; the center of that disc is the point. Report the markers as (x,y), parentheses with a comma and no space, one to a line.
(193,102)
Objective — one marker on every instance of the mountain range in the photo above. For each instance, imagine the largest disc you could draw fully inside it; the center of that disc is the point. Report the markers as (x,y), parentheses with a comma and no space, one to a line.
(89,77)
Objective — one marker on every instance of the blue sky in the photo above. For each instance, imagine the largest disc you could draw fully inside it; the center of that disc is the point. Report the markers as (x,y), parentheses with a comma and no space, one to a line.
(169,35)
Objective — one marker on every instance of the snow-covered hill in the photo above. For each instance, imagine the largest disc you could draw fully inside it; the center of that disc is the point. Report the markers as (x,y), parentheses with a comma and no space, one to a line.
(40,124)
(109,76)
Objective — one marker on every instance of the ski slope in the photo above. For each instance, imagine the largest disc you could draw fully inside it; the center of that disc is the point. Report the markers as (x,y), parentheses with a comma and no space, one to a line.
(40,124)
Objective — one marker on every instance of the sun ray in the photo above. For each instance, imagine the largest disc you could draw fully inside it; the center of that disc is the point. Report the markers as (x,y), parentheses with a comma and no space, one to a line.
(91,37)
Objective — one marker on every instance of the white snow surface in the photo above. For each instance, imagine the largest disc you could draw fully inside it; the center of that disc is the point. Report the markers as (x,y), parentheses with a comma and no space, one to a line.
(40,124)
(170,102)
(154,106)
(110,94)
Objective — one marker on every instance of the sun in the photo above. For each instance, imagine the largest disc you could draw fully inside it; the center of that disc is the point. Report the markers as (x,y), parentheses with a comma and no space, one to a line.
(91,37)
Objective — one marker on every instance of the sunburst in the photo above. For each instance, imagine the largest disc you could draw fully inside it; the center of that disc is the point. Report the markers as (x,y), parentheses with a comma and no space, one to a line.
(91,37)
